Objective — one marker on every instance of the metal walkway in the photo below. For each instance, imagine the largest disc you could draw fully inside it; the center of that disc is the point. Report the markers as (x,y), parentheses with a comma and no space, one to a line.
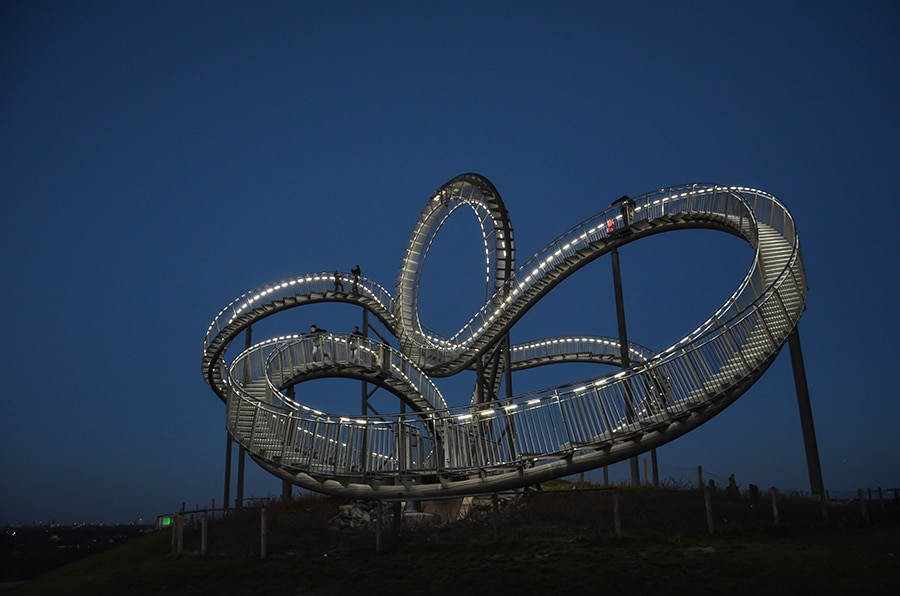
(497,444)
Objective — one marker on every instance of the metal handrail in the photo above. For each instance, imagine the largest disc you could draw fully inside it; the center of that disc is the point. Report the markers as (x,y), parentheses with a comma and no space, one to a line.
(290,358)
(589,346)
(292,287)
(658,204)
(589,414)
(574,423)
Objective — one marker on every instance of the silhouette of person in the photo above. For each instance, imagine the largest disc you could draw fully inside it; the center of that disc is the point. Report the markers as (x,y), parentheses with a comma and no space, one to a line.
(355,272)
(338,281)
(354,343)
(317,333)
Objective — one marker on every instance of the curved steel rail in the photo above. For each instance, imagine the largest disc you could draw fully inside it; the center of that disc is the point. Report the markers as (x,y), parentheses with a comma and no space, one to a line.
(434,450)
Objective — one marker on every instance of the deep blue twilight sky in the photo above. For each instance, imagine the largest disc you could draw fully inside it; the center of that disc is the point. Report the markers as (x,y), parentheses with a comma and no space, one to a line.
(160,158)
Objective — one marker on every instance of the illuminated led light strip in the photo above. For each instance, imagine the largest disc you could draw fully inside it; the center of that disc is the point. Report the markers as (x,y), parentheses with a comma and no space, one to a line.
(481,322)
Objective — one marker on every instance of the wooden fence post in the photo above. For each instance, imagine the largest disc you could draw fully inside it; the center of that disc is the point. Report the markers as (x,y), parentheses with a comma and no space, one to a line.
(396,518)
(775,515)
(263,533)
(862,506)
(204,525)
(378,526)
(707,502)
(495,515)
(617,518)
(179,530)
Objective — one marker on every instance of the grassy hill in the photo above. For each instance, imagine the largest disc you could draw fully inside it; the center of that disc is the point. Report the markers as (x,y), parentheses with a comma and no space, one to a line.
(550,542)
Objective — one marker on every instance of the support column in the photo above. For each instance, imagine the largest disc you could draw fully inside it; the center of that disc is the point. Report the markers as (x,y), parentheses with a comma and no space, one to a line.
(364,397)
(635,470)
(242,453)
(623,351)
(228,449)
(655,465)
(620,316)
(506,357)
(228,440)
(507,365)
(239,499)
(806,418)
(479,381)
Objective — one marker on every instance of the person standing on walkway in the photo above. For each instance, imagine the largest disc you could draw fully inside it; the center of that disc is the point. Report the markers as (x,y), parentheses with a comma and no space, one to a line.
(355,272)
(338,281)
(354,344)
(317,343)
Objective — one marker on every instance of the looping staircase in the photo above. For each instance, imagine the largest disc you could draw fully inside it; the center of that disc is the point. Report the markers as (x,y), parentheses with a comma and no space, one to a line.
(432,450)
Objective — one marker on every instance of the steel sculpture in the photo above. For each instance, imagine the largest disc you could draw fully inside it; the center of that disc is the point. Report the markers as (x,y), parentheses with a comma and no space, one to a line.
(430,450)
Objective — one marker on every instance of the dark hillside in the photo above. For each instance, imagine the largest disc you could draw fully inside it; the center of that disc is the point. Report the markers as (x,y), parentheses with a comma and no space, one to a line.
(545,541)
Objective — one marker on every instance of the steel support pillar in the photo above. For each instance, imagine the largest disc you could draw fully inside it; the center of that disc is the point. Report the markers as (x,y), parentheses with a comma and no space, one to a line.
(507,364)
(248,334)
(242,453)
(364,398)
(506,357)
(817,486)
(655,466)
(228,449)
(239,499)
(479,381)
(623,351)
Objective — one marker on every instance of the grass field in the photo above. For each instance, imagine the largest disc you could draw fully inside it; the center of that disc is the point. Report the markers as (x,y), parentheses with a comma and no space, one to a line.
(550,544)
